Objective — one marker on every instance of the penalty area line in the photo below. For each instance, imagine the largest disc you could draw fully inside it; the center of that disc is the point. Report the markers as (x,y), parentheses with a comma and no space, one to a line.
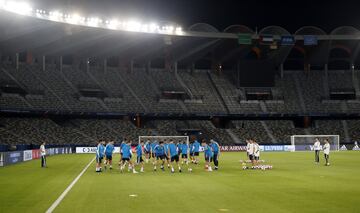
(62,196)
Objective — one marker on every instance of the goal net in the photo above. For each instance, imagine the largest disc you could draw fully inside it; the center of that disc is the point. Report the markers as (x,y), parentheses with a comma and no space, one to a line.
(306,142)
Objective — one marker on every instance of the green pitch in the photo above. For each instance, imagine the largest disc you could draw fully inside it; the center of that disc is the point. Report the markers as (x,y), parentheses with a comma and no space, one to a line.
(295,184)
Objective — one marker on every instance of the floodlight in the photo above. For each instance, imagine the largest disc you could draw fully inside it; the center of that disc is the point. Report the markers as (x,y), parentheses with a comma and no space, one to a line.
(21,8)
(55,15)
(132,26)
(113,24)
(153,27)
(93,22)
(75,19)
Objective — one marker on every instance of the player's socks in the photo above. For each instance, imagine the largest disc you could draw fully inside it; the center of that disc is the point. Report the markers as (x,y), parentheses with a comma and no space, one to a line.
(142,169)
(154,168)
(135,172)
(210,169)
(216,168)
(172,170)
(110,167)
(179,169)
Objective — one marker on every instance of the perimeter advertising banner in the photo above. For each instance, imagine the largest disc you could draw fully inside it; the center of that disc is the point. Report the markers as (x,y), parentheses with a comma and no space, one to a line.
(232,148)
(85,150)
(8,158)
(36,153)
(13,157)
(28,155)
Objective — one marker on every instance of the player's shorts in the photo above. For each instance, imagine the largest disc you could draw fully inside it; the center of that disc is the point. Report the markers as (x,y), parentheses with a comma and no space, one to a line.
(108,157)
(175,158)
(251,157)
(184,156)
(98,159)
(146,152)
(191,154)
(160,157)
(208,159)
(139,159)
(125,159)
(196,153)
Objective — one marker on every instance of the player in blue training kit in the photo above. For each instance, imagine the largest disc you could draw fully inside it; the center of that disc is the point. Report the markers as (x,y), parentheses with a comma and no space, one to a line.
(195,151)
(208,155)
(109,149)
(166,147)
(184,152)
(126,157)
(147,151)
(100,149)
(179,146)
(173,153)
(152,151)
(216,150)
(139,154)
(159,151)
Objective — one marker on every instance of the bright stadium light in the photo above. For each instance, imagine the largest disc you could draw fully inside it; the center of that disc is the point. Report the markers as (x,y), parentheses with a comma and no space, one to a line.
(132,26)
(93,22)
(21,8)
(75,19)
(153,28)
(55,15)
(113,24)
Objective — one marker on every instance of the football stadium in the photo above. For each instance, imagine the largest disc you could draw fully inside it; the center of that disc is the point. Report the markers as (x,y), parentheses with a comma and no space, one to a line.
(167,106)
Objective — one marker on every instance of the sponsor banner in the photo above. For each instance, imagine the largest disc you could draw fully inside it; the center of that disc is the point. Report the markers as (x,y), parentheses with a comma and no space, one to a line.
(244,38)
(85,150)
(310,40)
(287,40)
(36,154)
(289,148)
(266,39)
(232,148)
(13,157)
(28,155)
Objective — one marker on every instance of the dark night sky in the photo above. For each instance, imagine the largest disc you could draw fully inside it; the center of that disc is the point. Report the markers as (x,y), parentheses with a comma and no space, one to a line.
(222,13)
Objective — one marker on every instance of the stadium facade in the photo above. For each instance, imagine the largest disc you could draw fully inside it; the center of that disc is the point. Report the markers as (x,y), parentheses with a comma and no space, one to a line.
(230,85)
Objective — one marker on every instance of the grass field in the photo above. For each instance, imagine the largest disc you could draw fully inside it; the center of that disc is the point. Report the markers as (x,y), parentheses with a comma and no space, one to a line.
(295,184)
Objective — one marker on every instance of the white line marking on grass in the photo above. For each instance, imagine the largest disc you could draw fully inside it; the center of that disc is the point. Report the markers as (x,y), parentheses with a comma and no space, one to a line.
(224,210)
(62,196)
(132,195)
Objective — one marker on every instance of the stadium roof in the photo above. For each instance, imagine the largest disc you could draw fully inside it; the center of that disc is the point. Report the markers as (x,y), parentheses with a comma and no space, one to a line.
(41,36)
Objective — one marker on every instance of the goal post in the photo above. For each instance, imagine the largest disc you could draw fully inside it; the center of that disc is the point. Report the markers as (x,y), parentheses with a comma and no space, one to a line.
(306,142)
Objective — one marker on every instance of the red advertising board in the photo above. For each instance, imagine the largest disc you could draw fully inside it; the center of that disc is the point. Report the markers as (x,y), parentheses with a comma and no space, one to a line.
(36,154)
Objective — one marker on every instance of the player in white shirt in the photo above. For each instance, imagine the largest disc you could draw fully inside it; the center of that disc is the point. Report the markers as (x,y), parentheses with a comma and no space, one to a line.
(247,147)
(251,151)
(43,155)
(317,148)
(326,149)
(256,152)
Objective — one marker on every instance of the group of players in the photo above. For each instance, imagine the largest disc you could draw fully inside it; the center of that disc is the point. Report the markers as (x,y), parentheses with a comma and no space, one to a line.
(158,153)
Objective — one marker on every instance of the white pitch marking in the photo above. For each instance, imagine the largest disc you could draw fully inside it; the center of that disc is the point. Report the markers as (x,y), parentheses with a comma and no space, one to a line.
(132,195)
(62,196)
(224,210)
